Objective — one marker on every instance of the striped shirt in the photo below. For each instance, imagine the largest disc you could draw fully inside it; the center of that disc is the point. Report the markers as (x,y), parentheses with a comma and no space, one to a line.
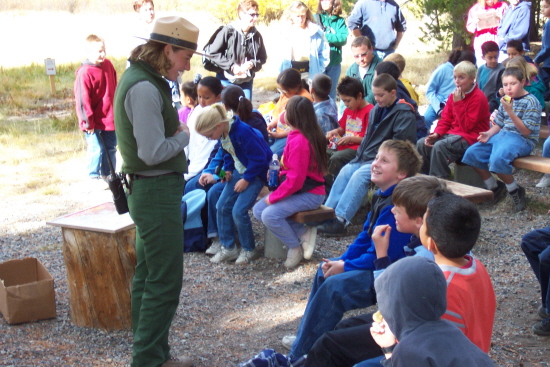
(529,110)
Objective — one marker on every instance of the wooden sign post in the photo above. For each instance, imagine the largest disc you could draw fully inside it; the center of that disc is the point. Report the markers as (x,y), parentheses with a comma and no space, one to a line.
(50,71)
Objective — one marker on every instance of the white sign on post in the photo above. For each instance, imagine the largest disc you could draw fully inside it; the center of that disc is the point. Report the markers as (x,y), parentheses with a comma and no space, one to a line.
(50,66)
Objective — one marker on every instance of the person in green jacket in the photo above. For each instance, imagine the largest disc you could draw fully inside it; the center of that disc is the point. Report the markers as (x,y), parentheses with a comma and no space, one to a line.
(365,63)
(336,32)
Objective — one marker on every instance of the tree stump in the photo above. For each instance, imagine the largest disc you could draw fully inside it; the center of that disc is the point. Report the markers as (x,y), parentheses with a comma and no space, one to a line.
(99,254)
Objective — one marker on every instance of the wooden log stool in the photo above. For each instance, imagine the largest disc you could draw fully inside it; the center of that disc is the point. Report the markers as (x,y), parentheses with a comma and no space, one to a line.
(99,253)
(274,248)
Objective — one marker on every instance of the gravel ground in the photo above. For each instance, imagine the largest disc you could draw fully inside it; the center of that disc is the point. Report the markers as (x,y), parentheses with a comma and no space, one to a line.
(228,313)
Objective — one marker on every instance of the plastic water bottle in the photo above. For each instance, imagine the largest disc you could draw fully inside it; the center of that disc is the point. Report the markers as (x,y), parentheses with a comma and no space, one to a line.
(273,173)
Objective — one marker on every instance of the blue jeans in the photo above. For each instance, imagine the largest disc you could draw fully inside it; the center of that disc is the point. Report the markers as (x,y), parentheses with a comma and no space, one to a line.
(429,117)
(546,148)
(498,153)
(97,159)
(278,147)
(212,198)
(333,72)
(232,211)
(275,216)
(383,53)
(536,246)
(329,299)
(246,87)
(349,188)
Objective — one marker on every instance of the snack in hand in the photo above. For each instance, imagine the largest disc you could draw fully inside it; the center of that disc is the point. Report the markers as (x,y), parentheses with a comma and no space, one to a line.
(507,99)
(377,317)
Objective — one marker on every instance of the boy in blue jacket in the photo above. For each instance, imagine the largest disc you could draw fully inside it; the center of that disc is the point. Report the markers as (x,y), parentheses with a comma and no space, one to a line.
(346,283)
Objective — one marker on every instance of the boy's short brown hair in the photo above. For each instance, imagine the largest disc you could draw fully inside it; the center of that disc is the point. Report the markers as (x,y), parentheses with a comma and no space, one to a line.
(385,81)
(94,38)
(409,160)
(414,193)
(321,84)
(397,59)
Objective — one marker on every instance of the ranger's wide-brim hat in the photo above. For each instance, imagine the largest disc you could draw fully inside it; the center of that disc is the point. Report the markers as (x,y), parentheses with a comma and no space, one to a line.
(175,31)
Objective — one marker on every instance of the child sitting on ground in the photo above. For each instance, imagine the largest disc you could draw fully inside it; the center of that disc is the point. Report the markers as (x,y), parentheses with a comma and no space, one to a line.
(325,107)
(489,75)
(465,115)
(399,60)
(345,283)
(289,84)
(303,166)
(514,134)
(389,119)
(353,125)
(188,94)
(412,301)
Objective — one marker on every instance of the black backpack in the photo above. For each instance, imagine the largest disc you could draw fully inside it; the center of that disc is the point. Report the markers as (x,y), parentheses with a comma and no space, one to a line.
(207,62)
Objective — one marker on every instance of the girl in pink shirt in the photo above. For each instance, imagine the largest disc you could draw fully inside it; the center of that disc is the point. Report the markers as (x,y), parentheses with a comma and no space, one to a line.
(303,167)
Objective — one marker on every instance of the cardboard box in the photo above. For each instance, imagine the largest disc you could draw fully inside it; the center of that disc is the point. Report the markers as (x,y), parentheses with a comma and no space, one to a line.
(26,291)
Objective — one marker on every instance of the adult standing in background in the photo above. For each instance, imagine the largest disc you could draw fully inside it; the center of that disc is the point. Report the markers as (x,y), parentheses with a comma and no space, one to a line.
(483,20)
(151,141)
(514,26)
(379,20)
(336,33)
(307,49)
(239,50)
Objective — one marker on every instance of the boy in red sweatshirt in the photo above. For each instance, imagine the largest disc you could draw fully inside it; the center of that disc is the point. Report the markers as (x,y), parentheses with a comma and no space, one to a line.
(94,91)
(465,115)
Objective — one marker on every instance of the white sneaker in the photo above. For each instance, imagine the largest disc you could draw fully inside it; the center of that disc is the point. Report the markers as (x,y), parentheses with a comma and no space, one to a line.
(544,181)
(307,241)
(293,257)
(225,254)
(247,256)
(214,248)
(288,341)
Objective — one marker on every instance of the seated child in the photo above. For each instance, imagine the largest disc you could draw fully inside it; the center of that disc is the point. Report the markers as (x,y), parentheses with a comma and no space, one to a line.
(399,60)
(303,166)
(392,119)
(412,300)
(325,107)
(350,342)
(514,48)
(514,134)
(440,84)
(289,84)
(465,115)
(489,75)
(353,125)
(533,83)
(345,283)
(188,95)
(389,67)
(536,247)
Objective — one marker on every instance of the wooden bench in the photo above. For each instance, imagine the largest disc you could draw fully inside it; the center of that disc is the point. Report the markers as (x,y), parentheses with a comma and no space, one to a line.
(274,248)
(471,193)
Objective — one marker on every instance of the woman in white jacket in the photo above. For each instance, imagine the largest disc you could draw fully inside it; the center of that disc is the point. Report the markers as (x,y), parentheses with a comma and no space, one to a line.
(307,49)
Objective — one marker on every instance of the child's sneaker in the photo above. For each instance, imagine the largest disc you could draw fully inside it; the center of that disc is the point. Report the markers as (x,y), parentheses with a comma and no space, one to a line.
(542,328)
(288,341)
(308,241)
(214,248)
(499,192)
(518,197)
(247,256)
(333,227)
(293,257)
(225,254)
(544,181)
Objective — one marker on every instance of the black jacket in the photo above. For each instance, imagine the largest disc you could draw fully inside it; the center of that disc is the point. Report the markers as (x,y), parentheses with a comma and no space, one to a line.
(232,46)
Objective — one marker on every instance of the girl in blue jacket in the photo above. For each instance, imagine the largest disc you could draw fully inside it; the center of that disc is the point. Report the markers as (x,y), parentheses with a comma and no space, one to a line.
(246,158)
